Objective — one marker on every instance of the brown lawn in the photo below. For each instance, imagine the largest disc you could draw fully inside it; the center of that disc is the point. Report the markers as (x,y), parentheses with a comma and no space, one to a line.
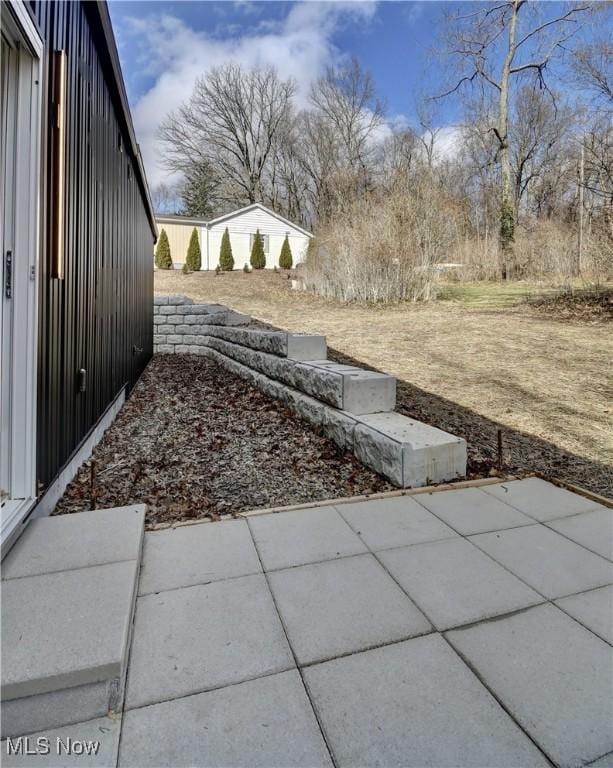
(477,360)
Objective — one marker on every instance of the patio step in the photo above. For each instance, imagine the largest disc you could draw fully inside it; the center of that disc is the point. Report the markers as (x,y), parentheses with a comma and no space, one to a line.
(68,593)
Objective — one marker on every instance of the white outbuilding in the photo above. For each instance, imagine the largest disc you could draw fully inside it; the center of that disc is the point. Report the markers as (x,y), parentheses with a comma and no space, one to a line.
(242,226)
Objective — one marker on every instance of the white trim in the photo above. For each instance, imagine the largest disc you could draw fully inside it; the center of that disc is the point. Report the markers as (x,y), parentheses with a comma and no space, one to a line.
(180,220)
(17,23)
(26,27)
(251,207)
(56,489)
(15,512)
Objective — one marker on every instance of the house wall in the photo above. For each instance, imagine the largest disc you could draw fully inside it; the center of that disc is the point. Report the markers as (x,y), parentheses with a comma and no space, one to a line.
(178,237)
(245,224)
(100,316)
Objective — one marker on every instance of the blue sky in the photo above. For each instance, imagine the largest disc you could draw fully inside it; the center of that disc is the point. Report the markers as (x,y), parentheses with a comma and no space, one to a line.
(393,42)
(165,45)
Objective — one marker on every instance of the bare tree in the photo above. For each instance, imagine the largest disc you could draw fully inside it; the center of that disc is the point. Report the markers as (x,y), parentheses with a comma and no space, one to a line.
(494,50)
(430,130)
(345,100)
(399,158)
(231,122)
(592,65)
(164,198)
(538,134)
(318,154)
(288,184)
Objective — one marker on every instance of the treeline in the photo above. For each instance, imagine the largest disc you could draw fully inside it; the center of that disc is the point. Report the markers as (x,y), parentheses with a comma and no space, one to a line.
(521,187)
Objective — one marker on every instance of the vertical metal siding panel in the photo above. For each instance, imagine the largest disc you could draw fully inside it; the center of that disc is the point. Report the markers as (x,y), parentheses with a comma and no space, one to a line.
(103,307)
(72,252)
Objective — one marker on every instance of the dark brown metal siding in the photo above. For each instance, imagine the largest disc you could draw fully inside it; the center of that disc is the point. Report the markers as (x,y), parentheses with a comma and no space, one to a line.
(102,310)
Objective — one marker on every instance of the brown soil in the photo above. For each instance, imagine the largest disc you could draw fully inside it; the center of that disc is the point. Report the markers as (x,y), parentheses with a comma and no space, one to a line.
(195,441)
(579,306)
(546,384)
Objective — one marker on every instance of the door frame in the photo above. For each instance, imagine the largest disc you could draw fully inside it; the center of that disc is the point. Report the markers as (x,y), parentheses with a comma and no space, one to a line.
(21,376)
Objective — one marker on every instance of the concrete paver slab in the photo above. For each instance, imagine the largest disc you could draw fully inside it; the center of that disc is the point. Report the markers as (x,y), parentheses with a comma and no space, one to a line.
(593,609)
(454,583)
(539,499)
(593,530)
(48,711)
(197,554)
(83,539)
(552,675)
(395,522)
(548,562)
(92,744)
(65,629)
(192,639)
(606,761)
(265,722)
(470,510)
(303,536)
(413,704)
(343,606)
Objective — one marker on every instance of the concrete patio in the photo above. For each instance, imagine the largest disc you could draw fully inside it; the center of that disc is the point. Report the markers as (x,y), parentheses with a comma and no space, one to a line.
(468,627)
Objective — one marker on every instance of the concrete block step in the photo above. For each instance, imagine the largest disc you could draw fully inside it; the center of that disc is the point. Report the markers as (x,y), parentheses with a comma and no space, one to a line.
(363,391)
(65,633)
(345,387)
(409,453)
(297,346)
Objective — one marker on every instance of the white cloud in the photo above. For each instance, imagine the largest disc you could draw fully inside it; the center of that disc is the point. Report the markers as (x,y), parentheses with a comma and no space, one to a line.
(300,46)
(448,143)
(414,11)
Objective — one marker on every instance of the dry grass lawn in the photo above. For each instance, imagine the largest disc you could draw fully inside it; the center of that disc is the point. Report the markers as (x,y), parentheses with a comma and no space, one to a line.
(471,362)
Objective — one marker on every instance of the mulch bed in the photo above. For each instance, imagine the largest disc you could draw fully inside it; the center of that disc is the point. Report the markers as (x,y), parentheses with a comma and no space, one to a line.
(195,441)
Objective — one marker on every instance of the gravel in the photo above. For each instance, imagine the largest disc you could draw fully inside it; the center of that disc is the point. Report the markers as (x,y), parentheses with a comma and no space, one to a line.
(195,441)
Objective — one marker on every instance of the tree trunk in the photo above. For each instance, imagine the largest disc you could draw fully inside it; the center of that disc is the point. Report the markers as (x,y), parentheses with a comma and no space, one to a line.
(580,185)
(507,208)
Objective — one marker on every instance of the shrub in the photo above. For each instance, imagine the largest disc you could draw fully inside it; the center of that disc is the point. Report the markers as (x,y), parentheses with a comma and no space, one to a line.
(193,260)
(246,268)
(226,260)
(258,257)
(185,269)
(217,270)
(163,259)
(285,259)
(383,248)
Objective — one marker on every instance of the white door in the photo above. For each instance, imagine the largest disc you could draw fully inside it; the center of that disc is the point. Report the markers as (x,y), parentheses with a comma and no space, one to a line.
(21,51)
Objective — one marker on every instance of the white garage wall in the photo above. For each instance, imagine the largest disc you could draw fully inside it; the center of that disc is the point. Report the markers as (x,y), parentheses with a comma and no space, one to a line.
(241,226)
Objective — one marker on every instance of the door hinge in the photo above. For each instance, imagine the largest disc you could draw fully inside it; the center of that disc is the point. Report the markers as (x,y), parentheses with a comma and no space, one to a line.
(8,274)
(32,272)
